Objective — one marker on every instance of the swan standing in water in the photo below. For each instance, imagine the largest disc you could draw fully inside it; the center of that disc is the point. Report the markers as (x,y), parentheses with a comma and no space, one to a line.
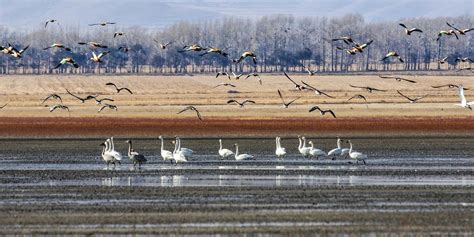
(165,154)
(280,152)
(106,156)
(187,152)
(240,157)
(314,152)
(356,155)
(224,153)
(134,156)
(302,147)
(336,151)
(178,155)
(117,155)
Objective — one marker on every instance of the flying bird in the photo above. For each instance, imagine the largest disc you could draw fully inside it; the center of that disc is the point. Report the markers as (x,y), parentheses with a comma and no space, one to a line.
(49,21)
(241,104)
(57,45)
(346,39)
(310,73)
(224,84)
(367,88)
(322,112)
(246,54)
(11,50)
(89,97)
(163,46)
(446,33)
(98,58)
(223,73)
(450,86)
(109,106)
(255,75)
(124,49)
(286,105)
(67,60)
(297,86)
(409,31)
(194,47)
(397,78)
(237,77)
(193,109)
(117,88)
(102,23)
(464,60)
(461,32)
(52,96)
(99,101)
(3,106)
(93,44)
(443,60)
(412,100)
(392,54)
(316,91)
(215,51)
(119,34)
(58,106)
(358,96)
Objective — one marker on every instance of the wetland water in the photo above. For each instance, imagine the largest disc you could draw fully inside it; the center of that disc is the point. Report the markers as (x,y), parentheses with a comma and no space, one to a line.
(55,186)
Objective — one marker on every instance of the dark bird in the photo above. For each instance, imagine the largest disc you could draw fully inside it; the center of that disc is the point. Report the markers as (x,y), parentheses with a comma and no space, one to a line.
(134,156)
(412,100)
(117,88)
(67,60)
(297,86)
(358,96)
(214,51)
(119,34)
(99,101)
(316,91)
(124,49)
(322,112)
(246,54)
(93,44)
(450,86)
(194,47)
(446,33)
(57,45)
(367,88)
(52,96)
(54,107)
(109,106)
(409,31)
(255,75)
(241,104)
(464,60)
(461,32)
(102,23)
(392,54)
(223,73)
(89,97)
(163,46)
(49,21)
(224,84)
(193,109)
(286,105)
(346,39)
(397,78)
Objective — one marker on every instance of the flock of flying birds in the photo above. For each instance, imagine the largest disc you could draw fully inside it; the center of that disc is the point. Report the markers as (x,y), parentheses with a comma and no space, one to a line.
(352,49)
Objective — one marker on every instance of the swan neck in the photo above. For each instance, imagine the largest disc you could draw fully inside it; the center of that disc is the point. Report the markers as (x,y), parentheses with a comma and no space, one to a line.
(162,145)
(299,140)
(175,145)
(236,150)
(350,148)
(339,143)
(220,144)
(130,149)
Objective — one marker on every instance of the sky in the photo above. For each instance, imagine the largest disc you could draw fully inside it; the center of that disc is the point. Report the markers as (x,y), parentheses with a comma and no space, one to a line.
(160,13)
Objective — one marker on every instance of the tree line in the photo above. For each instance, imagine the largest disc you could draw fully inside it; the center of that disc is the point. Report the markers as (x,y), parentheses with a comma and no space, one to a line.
(281,42)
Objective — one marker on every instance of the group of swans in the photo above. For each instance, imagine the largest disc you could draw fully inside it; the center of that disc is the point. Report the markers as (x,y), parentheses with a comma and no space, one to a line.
(309,152)
(179,154)
(109,154)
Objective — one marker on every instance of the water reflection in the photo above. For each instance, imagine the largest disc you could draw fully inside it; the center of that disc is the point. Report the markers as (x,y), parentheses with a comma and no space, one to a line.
(198,180)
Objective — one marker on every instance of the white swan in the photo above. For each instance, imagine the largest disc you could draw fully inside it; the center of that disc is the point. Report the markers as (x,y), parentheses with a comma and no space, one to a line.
(178,155)
(241,156)
(280,152)
(187,152)
(117,155)
(464,102)
(356,155)
(224,153)
(314,152)
(302,147)
(165,154)
(107,157)
(336,151)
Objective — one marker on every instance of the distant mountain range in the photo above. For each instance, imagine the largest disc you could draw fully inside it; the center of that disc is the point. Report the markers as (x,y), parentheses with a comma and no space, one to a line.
(27,14)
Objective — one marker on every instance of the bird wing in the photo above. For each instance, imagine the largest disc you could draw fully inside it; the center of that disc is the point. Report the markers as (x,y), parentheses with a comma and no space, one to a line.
(102,108)
(75,96)
(47,98)
(408,80)
(331,112)
(3,106)
(403,25)
(326,94)
(281,97)
(125,88)
(111,84)
(447,23)
(197,113)
(185,109)
(309,86)
(25,48)
(417,30)
(232,101)
(248,101)
(290,79)
(360,87)
(291,102)
(314,108)
(386,77)
(406,97)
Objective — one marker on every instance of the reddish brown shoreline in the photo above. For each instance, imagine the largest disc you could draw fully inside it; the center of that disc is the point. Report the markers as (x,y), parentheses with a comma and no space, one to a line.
(231,127)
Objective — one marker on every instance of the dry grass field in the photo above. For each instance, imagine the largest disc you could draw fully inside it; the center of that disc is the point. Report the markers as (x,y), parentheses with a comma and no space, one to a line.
(157,99)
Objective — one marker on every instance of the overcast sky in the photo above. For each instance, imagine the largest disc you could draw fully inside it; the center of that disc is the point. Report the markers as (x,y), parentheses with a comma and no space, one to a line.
(159,13)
